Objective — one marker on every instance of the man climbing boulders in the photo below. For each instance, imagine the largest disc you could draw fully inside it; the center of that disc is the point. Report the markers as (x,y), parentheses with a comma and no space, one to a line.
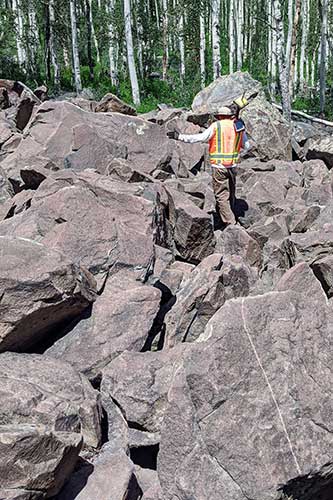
(226,138)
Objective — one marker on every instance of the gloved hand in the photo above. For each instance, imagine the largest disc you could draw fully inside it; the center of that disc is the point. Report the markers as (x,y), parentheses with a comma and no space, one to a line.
(173,134)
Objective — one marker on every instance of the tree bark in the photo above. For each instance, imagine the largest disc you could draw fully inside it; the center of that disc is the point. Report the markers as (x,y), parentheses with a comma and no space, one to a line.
(231,36)
(304,43)
(282,63)
(75,48)
(112,46)
(239,30)
(53,51)
(165,39)
(182,47)
(21,55)
(290,29)
(216,38)
(93,32)
(130,53)
(298,5)
(323,54)
(89,37)
(202,49)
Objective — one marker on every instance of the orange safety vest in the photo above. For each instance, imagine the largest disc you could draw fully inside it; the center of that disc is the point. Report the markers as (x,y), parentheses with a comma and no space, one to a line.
(225,145)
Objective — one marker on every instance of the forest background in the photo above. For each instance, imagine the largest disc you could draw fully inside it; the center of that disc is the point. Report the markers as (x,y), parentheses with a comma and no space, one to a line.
(153,51)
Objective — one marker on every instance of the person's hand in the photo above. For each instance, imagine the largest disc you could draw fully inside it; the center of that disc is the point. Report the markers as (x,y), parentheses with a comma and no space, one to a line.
(173,134)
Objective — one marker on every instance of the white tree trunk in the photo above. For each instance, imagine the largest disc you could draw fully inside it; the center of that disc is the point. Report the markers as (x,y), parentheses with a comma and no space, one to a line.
(290,29)
(292,67)
(239,30)
(21,54)
(216,38)
(130,53)
(53,51)
(93,33)
(323,54)
(75,48)
(165,38)
(305,27)
(182,47)
(157,13)
(282,63)
(202,50)
(112,46)
(232,36)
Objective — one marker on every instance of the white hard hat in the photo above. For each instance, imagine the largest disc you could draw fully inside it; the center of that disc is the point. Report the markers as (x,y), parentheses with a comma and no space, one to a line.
(223,110)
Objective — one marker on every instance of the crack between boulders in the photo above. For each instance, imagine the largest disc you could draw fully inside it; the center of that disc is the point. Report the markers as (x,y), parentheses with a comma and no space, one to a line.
(195,316)
(232,478)
(298,468)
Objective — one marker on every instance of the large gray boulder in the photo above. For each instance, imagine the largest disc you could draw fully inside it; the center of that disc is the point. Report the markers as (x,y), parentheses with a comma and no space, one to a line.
(110,476)
(40,289)
(192,228)
(40,390)
(254,399)
(34,462)
(215,280)
(95,221)
(69,137)
(48,412)
(120,320)
(269,133)
(142,399)
(112,104)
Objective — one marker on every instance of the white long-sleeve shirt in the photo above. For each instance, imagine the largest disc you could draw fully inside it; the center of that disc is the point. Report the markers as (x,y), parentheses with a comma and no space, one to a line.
(207,134)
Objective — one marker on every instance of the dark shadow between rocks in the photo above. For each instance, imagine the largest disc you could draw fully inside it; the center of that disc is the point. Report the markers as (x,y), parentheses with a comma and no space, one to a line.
(322,280)
(241,207)
(58,332)
(158,328)
(198,167)
(315,486)
(145,456)
(104,427)
(77,481)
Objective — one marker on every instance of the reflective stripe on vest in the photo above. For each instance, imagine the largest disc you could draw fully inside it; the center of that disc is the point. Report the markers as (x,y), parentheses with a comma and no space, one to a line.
(225,145)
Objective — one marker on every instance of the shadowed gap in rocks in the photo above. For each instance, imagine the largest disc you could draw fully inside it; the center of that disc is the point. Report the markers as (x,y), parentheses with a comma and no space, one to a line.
(316,486)
(145,456)
(156,336)
(82,472)
(321,278)
(58,332)
(104,427)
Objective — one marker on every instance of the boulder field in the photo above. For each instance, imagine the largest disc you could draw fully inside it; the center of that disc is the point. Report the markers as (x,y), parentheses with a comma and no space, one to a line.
(145,351)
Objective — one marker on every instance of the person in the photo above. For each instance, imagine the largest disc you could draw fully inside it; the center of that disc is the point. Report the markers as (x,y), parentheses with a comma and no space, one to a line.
(226,136)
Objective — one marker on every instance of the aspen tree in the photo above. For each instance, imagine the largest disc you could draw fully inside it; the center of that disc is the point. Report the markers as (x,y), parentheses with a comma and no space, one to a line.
(239,31)
(53,52)
(232,44)
(75,47)
(165,39)
(112,45)
(182,47)
(202,47)
(292,62)
(21,53)
(281,60)
(130,53)
(304,42)
(93,33)
(215,4)
(323,54)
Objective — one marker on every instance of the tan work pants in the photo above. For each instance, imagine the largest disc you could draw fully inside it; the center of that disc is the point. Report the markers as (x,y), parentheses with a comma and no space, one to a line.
(224,186)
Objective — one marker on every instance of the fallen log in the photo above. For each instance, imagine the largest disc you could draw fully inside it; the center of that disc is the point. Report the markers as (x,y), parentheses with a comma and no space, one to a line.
(306,116)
